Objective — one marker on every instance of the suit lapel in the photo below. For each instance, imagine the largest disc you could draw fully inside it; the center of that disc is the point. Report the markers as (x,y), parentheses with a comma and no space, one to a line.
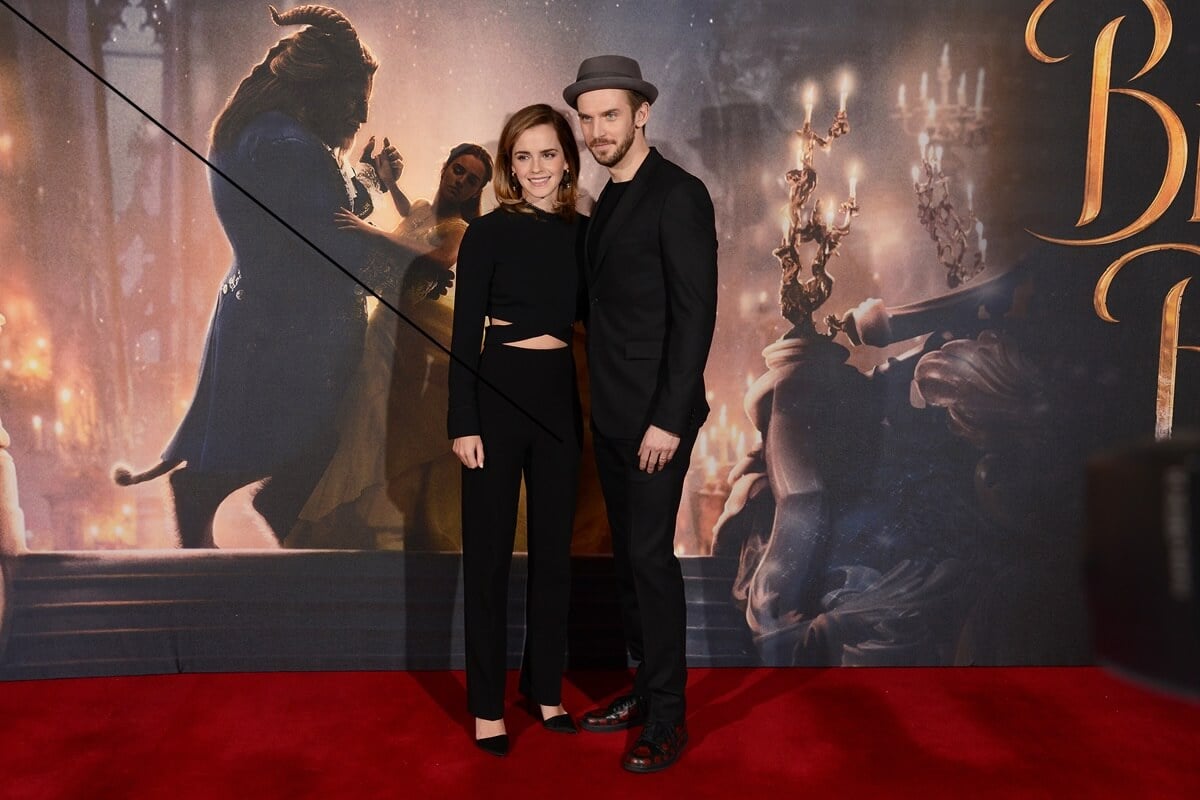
(588,235)
(637,189)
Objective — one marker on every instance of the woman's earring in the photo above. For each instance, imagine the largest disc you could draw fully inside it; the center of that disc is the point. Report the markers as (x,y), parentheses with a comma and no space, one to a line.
(566,179)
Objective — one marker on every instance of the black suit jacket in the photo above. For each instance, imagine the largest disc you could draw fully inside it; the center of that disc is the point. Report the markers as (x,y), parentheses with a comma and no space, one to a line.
(652,304)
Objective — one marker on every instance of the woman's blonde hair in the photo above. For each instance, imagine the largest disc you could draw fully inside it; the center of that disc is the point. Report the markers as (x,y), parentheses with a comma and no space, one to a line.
(508,190)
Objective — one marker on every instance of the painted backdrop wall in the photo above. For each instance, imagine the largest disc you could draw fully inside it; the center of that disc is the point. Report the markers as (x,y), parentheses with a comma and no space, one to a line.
(908,489)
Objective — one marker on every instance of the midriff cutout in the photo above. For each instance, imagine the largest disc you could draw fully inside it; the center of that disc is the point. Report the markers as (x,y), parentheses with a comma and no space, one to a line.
(543,342)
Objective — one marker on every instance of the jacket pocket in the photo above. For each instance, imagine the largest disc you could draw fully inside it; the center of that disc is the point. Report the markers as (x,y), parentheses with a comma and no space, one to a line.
(643,348)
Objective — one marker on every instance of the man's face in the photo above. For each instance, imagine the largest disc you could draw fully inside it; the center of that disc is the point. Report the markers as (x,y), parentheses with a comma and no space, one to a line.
(608,124)
(347,111)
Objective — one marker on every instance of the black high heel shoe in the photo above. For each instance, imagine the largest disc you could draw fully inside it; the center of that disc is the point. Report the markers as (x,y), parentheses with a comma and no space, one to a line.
(559,723)
(496,745)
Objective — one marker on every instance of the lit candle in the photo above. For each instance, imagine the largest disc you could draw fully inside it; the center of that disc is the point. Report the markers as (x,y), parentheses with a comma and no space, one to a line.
(946,55)
(979,95)
(722,416)
(916,174)
(979,230)
(924,86)
(785,223)
(59,429)
(64,396)
(983,249)
(853,183)
(38,441)
(829,208)
(710,469)
(741,444)
(923,144)
(937,157)
(901,99)
(970,196)
(931,109)
(844,90)
(962,90)
(810,96)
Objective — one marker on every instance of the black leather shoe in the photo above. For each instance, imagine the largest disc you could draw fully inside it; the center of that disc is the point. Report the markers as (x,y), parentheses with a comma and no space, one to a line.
(496,745)
(624,712)
(657,748)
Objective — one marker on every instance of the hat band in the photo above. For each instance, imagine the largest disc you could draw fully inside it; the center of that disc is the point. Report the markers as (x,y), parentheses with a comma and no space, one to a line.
(591,76)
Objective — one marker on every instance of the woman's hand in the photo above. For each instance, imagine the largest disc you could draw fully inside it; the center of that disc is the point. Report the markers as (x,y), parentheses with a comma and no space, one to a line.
(469,450)
(346,220)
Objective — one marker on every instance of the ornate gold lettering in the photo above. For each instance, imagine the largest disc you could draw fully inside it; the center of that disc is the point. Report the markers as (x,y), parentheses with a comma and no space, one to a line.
(1177,152)
(1168,340)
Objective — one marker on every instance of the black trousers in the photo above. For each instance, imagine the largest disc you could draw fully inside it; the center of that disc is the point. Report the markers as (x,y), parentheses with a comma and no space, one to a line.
(536,436)
(641,515)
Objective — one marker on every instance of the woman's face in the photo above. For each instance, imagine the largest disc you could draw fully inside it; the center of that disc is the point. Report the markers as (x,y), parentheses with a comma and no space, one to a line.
(538,163)
(462,179)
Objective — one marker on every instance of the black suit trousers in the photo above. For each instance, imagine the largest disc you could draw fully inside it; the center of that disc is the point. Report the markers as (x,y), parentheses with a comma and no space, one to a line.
(642,508)
(533,434)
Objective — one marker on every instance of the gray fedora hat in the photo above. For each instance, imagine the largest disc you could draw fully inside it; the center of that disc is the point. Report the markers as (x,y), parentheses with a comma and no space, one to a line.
(609,72)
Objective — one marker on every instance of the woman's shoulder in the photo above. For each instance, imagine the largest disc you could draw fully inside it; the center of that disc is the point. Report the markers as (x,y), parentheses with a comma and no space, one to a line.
(494,221)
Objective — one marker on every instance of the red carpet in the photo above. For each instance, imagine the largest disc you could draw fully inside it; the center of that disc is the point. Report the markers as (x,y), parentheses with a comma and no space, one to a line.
(847,733)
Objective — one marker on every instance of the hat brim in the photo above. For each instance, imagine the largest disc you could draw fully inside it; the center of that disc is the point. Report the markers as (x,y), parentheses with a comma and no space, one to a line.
(644,88)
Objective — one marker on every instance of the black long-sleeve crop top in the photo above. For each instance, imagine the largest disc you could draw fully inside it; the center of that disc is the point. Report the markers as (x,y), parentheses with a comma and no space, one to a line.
(516,267)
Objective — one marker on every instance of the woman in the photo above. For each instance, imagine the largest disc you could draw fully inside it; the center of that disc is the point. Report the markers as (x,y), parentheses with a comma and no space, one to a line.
(514,412)
(380,494)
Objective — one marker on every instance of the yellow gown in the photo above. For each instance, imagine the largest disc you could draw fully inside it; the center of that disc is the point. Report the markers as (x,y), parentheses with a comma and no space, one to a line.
(393,482)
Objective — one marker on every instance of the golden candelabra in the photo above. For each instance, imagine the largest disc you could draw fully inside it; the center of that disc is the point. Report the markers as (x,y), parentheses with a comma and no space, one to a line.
(951,232)
(810,220)
(946,122)
(941,125)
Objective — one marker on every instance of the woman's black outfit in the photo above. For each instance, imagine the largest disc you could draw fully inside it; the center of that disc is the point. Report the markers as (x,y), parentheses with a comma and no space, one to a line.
(520,268)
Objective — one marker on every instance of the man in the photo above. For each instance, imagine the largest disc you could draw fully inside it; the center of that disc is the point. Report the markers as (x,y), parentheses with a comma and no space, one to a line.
(650,266)
(286,334)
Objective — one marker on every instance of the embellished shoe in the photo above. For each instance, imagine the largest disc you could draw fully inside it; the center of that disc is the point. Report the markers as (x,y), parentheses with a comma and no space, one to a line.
(622,713)
(657,748)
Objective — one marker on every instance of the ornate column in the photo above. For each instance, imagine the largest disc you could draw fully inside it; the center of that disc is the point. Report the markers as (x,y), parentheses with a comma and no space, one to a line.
(12,521)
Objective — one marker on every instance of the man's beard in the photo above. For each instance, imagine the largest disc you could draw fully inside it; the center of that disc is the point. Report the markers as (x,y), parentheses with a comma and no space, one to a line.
(618,154)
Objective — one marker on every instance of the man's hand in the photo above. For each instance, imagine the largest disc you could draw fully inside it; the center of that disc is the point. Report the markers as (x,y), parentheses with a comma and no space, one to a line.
(657,449)
(389,164)
(469,450)
(428,280)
